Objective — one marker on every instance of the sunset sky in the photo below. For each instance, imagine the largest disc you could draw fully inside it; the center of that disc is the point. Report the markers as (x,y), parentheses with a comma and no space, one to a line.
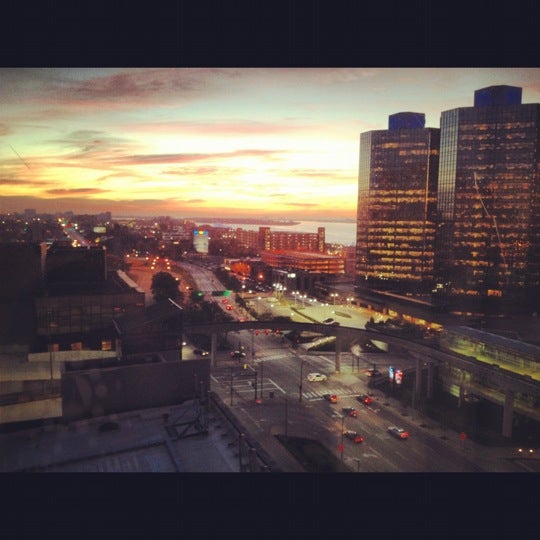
(222,142)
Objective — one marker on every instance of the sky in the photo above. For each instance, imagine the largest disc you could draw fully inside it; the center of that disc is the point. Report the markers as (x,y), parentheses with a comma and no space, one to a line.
(224,142)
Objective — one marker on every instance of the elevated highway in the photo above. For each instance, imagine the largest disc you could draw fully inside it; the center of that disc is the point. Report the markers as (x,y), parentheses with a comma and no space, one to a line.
(502,385)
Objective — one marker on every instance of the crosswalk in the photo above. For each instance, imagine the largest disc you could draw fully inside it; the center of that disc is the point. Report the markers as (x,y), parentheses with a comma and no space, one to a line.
(342,392)
(245,385)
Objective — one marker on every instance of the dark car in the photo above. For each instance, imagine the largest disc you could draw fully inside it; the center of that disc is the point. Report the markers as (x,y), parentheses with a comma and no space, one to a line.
(238,354)
(372,372)
(368,347)
(328,321)
(200,352)
(332,398)
(398,432)
(365,399)
(354,436)
(350,411)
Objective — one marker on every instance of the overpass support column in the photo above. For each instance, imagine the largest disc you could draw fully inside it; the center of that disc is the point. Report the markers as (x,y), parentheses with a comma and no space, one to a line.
(508,413)
(338,354)
(430,375)
(213,349)
(418,373)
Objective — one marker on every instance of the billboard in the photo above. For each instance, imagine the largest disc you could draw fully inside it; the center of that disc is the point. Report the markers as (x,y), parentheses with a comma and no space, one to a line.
(200,240)
(395,375)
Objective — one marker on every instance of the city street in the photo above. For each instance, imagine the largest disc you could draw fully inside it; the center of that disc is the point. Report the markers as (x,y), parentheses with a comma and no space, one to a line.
(270,392)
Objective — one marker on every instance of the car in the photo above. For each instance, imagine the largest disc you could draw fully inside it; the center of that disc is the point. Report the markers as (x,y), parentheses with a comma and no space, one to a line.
(328,321)
(354,436)
(398,432)
(370,347)
(332,398)
(229,308)
(316,377)
(372,372)
(336,323)
(200,352)
(224,301)
(238,354)
(365,399)
(350,411)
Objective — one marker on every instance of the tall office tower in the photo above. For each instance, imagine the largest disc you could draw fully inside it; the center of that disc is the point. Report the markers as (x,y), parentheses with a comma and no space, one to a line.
(397,188)
(488,205)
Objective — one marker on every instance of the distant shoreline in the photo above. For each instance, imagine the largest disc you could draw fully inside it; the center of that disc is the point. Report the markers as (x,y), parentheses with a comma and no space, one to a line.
(247,221)
(243,221)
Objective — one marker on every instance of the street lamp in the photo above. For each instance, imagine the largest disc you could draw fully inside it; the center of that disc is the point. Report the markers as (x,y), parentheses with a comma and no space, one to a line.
(301,379)
(341,447)
(255,385)
(286,415)
(262,386)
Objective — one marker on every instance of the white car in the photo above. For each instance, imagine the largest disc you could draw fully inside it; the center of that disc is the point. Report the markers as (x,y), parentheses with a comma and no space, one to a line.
(316,377)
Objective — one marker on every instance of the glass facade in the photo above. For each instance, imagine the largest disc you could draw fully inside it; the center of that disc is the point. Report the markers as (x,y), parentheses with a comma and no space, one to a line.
(397,189)
(487,205)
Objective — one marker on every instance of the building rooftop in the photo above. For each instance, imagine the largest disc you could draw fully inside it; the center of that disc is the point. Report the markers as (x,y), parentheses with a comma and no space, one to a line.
(137,320)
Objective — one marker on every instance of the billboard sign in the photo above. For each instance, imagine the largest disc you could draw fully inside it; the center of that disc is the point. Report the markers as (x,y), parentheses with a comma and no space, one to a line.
(395,375)
(200,240)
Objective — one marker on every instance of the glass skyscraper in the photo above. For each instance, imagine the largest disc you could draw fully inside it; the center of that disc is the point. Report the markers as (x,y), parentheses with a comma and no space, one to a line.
(487,241)
(397,189)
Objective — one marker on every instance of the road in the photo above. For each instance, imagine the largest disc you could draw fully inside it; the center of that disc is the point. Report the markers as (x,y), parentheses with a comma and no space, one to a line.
(283,371)
(298,406)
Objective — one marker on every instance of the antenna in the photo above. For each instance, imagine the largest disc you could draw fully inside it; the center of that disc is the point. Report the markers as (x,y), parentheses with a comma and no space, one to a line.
(17,153)
(493,218)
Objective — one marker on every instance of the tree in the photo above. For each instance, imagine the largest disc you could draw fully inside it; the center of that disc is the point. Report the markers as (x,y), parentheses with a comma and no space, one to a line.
(164,286)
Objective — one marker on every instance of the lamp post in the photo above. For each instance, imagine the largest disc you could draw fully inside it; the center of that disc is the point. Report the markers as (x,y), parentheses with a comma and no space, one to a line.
(262,387)
(50,346)
(286,416)
(255,385)
(301,379)
(342,421)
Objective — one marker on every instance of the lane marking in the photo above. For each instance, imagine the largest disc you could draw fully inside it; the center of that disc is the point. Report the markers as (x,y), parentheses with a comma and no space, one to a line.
(277,386)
